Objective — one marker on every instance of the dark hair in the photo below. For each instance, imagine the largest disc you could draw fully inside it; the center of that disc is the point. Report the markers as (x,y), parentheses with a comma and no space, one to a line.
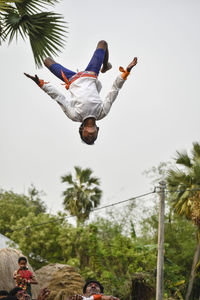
(14,291)
(85,140)
(10,298)
(3,293)
(22,258)
(93,281)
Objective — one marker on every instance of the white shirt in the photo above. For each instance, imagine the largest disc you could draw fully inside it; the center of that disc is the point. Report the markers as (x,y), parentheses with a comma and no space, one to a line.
(85,101)
(89,298)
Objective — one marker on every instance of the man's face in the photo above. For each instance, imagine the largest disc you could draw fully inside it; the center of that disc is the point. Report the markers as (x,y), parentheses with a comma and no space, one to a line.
(22,295)
(22,264)
(93,289)
(90,133)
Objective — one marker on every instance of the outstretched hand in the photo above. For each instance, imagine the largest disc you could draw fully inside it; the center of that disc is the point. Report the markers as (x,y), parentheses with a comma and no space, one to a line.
(44,293)
(132,64)
(76,297)
(34,78)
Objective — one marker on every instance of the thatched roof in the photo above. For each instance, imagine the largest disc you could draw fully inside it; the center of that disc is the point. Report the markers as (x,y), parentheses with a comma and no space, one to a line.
(62,280)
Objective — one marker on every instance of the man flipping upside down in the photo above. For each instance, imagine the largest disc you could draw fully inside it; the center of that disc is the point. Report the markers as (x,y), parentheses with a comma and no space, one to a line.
(85,105)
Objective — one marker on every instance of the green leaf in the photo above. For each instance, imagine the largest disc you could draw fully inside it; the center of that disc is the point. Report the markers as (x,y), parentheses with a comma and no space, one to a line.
(46,30)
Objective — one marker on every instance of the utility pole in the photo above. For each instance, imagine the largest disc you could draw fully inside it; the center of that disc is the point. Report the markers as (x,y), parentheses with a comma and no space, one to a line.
(160,257)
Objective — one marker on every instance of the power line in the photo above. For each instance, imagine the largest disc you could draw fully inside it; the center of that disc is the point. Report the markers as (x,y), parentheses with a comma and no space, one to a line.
(123,201)
(93,210)
(103,207)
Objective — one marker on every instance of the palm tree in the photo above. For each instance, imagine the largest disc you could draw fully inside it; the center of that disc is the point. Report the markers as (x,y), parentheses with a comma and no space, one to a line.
(45,30)
(184,186)
(82,195)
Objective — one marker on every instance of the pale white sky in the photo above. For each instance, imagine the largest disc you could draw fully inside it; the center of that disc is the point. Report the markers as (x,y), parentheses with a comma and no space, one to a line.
(155,114)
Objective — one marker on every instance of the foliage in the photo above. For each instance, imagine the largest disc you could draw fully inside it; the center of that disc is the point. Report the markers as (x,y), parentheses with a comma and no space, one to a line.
(45,30)
(98,250)
(179,248)
(39,242)
(5,4)
(108,248)
(111,256)
(101,250)
(184,184)
(82,195)
(15,206)
(178,262)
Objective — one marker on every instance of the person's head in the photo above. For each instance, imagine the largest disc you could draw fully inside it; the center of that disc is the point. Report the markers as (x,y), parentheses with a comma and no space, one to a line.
(22,262)
(16,291)
(3,294)
(19,293)
(88,134)
(92,287)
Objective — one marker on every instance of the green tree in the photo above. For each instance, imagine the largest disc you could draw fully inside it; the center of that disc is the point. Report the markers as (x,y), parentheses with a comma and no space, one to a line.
(35,201)
(37,237)
(112,257)
(14,206)
(179,243)
(179,248)
(184,186)
(82,195)
(45,30)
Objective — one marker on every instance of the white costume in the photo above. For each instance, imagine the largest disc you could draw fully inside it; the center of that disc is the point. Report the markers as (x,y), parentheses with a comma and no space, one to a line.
(85,101)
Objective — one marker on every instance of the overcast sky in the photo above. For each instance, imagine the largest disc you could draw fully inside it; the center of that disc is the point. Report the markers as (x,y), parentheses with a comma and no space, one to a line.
(155,114)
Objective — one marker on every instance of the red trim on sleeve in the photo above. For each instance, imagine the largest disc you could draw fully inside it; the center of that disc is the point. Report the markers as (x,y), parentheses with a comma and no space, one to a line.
(97,297)
(125,73)
(41,83)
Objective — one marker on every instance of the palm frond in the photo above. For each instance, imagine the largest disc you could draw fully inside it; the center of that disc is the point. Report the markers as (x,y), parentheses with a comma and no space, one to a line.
(93,180)
(182,208)
(183,159)
(178,179)
(12,26)
(196,174)
(46,30)
(5,4)
(85,175)
(78,171)
(33,6)
(47,35)
(67,178)
(184,184)
(196,150)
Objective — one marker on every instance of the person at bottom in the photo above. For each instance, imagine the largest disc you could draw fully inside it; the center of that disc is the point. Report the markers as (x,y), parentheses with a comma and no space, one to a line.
(93,290)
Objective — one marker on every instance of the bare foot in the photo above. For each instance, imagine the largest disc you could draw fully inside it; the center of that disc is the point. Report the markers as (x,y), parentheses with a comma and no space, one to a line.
(104,69)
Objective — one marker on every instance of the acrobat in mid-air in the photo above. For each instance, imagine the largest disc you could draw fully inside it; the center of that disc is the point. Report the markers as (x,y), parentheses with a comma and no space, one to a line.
(85,104)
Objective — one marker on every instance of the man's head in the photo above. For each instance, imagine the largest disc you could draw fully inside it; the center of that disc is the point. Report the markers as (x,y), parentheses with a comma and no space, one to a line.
(3,294)
(92,287)
(16,291)
(88,134)
(22,262)
(19,293)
